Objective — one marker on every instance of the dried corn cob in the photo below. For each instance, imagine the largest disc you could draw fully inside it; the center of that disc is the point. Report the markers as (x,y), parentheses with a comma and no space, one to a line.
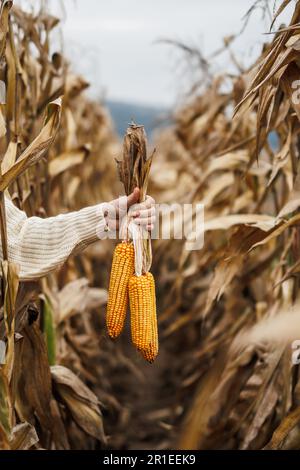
(143,315)
(121,271)
(151,352)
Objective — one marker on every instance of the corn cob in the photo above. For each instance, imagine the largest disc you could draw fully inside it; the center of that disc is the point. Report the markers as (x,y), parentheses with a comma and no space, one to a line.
(151,352)
(121,271)
(143,315)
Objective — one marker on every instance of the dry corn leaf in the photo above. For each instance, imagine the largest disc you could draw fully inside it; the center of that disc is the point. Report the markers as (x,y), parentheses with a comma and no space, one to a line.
(68,160)
(283,430)
(37,148)
(78,297)
(23,437)
(4,19)
(81,402)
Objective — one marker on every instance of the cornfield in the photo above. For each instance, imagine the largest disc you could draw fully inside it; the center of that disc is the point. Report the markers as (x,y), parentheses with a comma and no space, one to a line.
(227,313)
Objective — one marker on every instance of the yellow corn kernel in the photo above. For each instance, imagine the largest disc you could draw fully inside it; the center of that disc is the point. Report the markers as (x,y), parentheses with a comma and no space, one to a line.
(143,315)
(121,271)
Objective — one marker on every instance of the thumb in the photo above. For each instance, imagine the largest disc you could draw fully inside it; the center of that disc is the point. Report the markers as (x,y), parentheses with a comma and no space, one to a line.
(133,198)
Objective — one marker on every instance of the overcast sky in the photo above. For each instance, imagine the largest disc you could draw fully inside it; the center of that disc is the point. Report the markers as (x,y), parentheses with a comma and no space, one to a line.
(114,43)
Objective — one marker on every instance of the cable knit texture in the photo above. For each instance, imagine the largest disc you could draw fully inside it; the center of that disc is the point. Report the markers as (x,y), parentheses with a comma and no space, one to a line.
(39,246)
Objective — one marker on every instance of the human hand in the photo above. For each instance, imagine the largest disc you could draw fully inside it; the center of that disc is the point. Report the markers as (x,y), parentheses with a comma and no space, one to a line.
(143,213)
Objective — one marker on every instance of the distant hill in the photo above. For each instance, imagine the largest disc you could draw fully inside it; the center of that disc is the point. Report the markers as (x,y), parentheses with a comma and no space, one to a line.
(122,113)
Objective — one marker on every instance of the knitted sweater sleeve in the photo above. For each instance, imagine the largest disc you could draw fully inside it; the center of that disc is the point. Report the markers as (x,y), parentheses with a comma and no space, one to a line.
(39,246)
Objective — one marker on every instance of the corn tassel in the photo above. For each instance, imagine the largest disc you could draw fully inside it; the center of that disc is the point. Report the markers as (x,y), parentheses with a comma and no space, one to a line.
(121,271)
(143,315)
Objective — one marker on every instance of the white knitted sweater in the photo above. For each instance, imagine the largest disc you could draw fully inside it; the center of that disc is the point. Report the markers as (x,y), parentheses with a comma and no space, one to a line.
(39,245)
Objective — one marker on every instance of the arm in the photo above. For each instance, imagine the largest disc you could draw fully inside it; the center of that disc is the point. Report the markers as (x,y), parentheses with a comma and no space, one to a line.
(39,245)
